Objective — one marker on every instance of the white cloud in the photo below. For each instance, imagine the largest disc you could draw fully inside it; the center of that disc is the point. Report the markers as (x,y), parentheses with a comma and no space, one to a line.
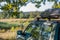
(31,7)
(0,10)
(48,5)
(3,3)
(28,7)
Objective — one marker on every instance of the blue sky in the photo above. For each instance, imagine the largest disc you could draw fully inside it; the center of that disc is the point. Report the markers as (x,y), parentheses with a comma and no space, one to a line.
(31,7)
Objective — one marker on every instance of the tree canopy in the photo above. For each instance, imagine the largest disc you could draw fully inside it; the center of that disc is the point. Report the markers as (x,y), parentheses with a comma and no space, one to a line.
(56,5)
(24,2)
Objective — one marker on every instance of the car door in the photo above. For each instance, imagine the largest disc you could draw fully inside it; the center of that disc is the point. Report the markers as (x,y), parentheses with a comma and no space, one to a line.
(57,32)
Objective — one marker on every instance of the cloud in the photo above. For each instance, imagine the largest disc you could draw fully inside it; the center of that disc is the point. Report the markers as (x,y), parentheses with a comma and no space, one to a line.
(0,10)
(48,5)
(3,3)
(31,7)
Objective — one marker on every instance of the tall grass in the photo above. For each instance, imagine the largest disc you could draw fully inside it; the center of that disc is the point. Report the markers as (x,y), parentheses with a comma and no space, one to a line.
(12,27)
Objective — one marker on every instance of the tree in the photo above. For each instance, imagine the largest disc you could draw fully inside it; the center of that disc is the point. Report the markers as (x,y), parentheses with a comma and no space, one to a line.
(31,15)
(12,6)
(43,1)
(24,2)
(56,5)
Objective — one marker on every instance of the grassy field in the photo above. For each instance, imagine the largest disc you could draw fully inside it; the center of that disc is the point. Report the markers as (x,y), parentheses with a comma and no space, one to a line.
(10,34)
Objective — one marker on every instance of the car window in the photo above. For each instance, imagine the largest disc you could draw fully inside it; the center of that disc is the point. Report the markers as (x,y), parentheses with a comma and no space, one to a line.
(35,29)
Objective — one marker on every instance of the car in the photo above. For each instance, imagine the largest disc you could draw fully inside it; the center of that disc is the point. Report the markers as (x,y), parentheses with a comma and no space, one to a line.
(57,32)
(19,35)
(23,35)
(35,29)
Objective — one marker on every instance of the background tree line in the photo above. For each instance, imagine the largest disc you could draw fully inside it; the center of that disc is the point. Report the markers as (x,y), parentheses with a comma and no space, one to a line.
(11,9)
(6,15)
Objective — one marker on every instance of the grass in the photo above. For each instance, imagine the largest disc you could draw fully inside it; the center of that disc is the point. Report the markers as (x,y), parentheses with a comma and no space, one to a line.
(8,35)
(11,35)
(29,30)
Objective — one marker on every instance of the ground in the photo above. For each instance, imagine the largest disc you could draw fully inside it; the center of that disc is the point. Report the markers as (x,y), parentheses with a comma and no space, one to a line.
(9,34)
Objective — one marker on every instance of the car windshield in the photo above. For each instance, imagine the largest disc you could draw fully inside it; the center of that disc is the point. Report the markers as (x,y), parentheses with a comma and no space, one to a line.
(38,27)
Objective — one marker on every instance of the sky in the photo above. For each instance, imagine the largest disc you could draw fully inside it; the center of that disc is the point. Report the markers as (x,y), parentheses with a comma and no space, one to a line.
(31,7)
(2,4)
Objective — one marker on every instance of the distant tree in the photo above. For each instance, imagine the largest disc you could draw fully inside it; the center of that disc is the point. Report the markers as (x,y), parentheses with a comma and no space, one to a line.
(38,2)
(17,3)
(13,6)
(1,15)
(31,15)
(21,15)
(56,5)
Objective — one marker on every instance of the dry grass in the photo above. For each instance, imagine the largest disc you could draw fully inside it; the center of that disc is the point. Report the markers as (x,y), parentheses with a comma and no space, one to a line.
(13,20)
(8,35)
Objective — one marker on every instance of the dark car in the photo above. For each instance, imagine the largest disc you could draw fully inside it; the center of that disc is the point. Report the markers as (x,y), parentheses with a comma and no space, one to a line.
(57,32)
(19,35)
(23,35)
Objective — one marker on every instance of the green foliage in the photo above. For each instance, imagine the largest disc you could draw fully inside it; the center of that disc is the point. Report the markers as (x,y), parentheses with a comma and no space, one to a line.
(48,29)
(1,0)
(31,15)
(35,33)
(22,2)
(56,5)
(4,25)
(13,8)
(1,15)
(37,5)
(43,1)
(5,8)
(21,15)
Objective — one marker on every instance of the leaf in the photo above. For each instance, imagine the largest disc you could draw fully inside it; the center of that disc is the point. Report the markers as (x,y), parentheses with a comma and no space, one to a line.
(37,6)
(56,5)
(9,6)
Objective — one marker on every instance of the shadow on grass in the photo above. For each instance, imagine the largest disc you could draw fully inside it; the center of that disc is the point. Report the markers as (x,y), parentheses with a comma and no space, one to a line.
(6,39)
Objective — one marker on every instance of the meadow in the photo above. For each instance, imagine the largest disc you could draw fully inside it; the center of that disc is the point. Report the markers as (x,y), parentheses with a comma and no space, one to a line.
(9,27)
